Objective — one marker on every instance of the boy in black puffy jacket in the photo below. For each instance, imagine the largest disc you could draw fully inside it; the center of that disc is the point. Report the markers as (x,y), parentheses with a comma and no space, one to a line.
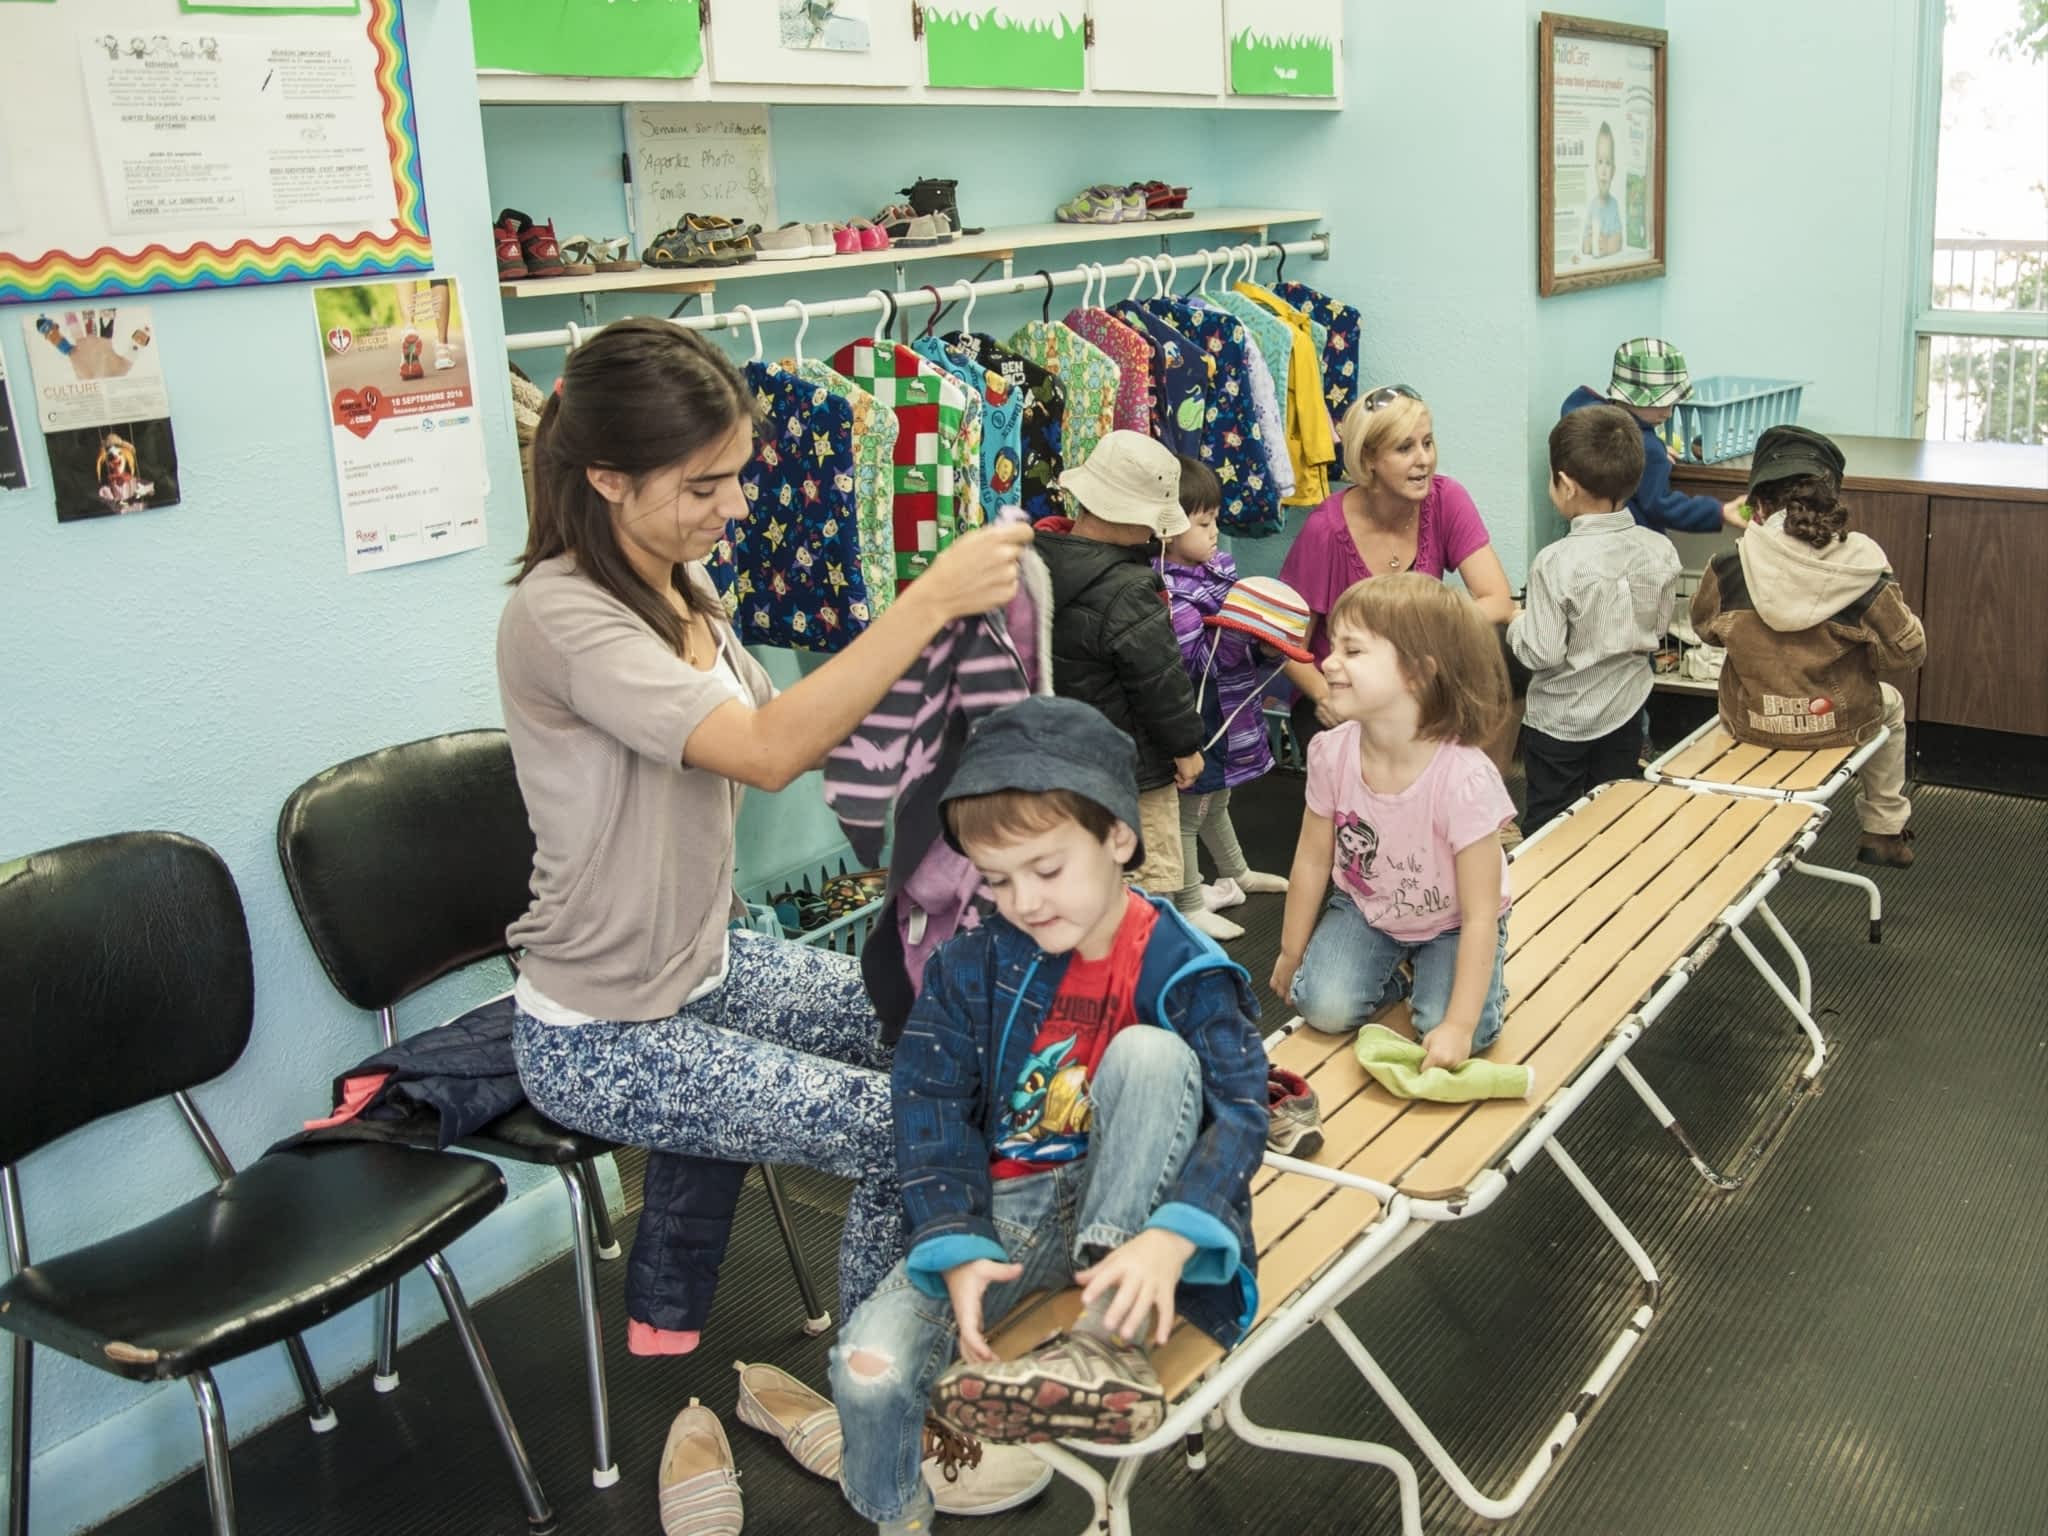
(1113,645)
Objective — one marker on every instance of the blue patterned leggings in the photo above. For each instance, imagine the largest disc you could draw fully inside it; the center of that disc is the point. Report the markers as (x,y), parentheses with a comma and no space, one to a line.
(782,1064)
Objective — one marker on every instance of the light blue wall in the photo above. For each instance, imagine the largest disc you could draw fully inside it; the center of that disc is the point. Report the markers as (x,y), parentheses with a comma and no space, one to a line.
(188,668)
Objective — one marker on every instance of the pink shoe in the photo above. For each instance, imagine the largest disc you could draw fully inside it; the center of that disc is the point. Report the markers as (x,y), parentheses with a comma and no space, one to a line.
(646,1339)
(872,236)
(845,241)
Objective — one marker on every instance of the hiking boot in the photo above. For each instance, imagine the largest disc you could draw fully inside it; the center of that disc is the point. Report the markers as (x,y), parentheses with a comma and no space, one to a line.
(1890,848)
(968,1478)
(934,194)
(511,259)
(1078,1386)
(1294,1125)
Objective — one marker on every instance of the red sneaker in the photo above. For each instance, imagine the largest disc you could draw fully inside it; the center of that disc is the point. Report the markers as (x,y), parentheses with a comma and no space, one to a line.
(511,260)
(543,255)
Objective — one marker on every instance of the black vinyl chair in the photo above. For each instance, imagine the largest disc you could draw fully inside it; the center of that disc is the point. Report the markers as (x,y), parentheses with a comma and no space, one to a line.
(410,863)
(125,975)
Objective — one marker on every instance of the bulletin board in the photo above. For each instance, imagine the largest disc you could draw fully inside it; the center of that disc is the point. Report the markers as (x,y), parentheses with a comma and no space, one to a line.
(145,147)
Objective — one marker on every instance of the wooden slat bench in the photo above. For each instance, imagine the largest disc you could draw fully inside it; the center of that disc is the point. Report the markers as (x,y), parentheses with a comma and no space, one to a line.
(1617,904)
(1710,758)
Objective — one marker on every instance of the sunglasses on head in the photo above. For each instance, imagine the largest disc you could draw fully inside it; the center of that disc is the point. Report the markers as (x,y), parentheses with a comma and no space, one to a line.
(1387,394)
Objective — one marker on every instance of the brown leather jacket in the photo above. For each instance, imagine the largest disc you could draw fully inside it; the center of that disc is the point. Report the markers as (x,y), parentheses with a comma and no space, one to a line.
(1807,631)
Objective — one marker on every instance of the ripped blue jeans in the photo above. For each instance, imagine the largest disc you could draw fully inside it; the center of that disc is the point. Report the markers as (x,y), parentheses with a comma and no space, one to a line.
(782,1064)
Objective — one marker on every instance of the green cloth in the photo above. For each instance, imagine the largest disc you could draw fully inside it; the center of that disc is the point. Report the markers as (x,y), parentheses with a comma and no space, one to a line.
(1395,1063)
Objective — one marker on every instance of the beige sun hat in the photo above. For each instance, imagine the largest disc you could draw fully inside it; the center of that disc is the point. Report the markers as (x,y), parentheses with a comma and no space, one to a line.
(1130,479)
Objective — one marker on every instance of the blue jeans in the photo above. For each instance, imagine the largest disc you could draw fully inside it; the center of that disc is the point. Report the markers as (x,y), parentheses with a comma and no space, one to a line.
(1351,970)
(782,1064)
(1147,1098)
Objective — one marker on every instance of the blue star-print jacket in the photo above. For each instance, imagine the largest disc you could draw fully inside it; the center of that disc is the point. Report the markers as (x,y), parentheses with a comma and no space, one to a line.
(985,994)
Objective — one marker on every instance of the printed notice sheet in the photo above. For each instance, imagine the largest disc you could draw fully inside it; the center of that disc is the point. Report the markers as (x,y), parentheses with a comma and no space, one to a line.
(408,442)
(104,409)
(242,129)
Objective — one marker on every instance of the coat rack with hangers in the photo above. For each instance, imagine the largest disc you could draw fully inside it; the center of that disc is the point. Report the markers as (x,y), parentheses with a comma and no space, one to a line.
(1163,273)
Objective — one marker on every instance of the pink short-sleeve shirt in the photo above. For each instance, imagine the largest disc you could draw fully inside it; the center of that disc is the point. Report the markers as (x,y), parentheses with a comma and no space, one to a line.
(1324,559)
(1396,855)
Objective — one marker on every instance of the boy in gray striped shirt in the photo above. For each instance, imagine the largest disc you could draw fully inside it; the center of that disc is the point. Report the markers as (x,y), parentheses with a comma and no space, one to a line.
(1598,604)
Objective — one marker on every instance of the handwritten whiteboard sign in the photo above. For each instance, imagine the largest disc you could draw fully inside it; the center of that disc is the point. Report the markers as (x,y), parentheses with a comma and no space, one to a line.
(699,159)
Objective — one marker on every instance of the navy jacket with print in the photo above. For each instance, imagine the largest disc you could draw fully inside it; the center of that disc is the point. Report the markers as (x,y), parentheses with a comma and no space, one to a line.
(985,995)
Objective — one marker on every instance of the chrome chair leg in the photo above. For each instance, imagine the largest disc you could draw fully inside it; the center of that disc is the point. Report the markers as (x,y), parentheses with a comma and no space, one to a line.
(17,1445)
(600,1213)
(539,1518)
(319,1412)
(583,1206)
(385,1377)
(213,1437)
(816,1318)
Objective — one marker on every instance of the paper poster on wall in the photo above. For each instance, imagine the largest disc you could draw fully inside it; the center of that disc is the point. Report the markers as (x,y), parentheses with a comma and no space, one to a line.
(603,39)
(699,159)
(839,26)
(104,409)
(149,148)
(1016,45)
(1600,125)
(408,441)
(1283,47)
(13,468)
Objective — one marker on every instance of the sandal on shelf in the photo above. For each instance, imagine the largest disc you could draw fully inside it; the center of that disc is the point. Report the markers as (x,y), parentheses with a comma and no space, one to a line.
(1165,202)
(776,1403)
(732,243)
(614,255)
(680,247)
(579,256)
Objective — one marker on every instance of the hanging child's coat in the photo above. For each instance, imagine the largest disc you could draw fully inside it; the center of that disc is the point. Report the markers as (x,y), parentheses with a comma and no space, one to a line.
(928,404)
(1340,346)
(1041,424)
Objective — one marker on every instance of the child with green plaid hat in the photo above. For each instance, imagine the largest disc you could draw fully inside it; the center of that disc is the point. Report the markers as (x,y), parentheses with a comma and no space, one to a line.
(1649,381)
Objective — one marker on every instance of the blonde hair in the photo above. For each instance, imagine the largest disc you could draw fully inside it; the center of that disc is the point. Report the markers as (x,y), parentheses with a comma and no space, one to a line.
(1449,651)
(1365,435)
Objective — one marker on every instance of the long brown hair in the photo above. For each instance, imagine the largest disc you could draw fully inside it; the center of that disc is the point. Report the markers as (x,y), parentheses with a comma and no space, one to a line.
(1450,653)
(637,397)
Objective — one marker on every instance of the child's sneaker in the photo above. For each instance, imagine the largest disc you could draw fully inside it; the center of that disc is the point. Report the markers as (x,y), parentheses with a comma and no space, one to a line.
(968,1478)
(511,259)
(1079,1386)
(1094,205)
(1294,1125)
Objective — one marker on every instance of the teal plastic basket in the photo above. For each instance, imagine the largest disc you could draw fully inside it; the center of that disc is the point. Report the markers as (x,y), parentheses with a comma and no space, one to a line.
(1726,414)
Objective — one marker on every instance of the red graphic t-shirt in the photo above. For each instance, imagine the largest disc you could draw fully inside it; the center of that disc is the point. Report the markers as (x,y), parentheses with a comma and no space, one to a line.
(1050,1111)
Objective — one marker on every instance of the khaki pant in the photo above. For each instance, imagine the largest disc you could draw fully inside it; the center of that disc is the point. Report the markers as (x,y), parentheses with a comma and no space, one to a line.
(1159,826)
(1881,803)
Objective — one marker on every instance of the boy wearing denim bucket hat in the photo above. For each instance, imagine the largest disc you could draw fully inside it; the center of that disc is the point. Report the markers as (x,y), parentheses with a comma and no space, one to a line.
(1649,381)
(1113,643)
(1080,1097)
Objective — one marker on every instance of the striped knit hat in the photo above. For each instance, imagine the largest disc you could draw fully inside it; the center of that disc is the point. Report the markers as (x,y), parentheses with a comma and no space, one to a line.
(1648,373)
(1271,612)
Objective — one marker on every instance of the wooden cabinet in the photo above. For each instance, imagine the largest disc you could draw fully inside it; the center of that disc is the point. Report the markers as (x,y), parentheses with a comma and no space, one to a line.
(1966,528)
(1987,643)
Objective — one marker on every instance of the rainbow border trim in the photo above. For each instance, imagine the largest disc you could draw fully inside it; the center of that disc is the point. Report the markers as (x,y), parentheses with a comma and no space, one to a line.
(158,269)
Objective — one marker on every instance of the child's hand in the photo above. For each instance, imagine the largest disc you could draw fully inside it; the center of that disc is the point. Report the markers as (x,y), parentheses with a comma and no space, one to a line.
(1282,983)
(965,1284)
(1143,1274)
(1187,769)
(1448,1047)
(1327,713)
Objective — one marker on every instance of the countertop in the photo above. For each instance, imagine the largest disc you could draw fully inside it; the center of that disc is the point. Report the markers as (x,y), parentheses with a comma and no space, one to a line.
(1982,471)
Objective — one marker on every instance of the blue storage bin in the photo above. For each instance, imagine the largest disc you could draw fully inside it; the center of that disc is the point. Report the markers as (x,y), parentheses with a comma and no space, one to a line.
(1726,414)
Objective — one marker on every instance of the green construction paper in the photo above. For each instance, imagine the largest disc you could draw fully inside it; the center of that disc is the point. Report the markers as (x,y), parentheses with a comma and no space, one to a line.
(648,40)
(1394,1062)
(1282,66)
(986,50)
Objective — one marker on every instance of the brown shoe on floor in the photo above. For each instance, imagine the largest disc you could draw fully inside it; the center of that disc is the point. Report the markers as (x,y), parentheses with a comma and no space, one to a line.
(1894,849)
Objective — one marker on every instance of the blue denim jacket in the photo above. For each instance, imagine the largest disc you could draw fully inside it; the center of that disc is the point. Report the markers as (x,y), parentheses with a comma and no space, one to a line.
(985,995)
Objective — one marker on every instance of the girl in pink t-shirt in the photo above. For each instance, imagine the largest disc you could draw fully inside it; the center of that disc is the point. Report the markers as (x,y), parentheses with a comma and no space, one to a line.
(1406,816)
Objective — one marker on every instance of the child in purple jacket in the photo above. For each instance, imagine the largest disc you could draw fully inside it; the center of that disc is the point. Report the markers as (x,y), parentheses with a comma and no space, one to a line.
(1223,664)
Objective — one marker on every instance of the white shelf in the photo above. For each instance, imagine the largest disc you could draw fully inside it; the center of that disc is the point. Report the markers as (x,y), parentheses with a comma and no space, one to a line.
(501,88)
(992,244)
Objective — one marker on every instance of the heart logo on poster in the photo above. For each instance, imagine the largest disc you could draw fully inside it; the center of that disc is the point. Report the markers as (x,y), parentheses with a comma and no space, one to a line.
(340,339)
(360,410)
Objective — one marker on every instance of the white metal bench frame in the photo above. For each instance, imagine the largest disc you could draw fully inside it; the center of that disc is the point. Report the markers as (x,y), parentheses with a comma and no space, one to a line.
(1404,1220)
(1820,794)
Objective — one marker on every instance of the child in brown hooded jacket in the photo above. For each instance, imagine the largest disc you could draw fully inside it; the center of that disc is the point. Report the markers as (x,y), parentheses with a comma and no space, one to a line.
(1810,615)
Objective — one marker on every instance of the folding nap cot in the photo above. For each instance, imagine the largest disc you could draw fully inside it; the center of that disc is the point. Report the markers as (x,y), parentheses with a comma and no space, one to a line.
(1617,904)
(1710,758)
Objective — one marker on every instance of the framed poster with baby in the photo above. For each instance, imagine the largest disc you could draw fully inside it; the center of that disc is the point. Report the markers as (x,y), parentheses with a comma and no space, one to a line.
(1600,153)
